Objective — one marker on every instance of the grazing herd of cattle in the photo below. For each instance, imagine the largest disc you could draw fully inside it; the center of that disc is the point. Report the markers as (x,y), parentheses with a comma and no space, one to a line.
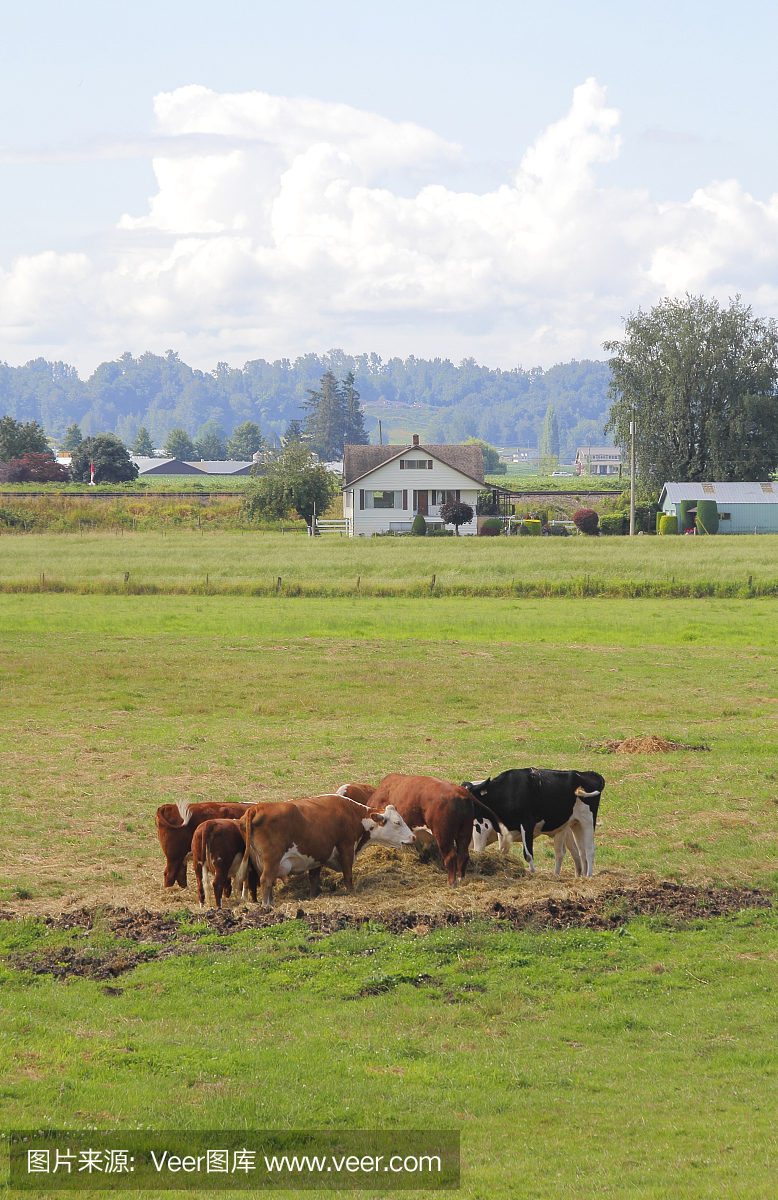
(257,845)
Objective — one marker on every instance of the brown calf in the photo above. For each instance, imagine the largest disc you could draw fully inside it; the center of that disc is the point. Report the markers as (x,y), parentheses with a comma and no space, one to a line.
(304,835)
(442,810)
(176,824)
(217,849)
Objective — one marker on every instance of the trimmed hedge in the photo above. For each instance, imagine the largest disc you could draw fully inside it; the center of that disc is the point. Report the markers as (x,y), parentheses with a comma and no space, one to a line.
(614,524)
(491,527)
(419,526)
(531,528)
(707,516)
(668,523)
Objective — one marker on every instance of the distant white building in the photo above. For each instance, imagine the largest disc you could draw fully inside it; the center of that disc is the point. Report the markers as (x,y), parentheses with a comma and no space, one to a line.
(385,487)
(597,460)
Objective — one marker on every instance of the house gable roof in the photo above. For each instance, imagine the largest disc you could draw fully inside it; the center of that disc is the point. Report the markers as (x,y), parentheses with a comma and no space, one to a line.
(359,461)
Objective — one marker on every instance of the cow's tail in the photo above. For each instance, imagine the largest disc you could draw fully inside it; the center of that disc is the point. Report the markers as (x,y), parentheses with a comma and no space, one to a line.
(582,795)
(184,811)
(242,873)
(504,839)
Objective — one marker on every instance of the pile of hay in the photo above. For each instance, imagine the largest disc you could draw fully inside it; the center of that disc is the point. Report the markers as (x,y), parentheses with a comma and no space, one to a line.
(644,745)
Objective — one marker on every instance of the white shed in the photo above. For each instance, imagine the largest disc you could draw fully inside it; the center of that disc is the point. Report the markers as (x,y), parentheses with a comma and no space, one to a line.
(385,487)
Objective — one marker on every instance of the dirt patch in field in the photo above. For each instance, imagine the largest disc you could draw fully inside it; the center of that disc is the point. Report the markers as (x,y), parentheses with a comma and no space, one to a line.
(65,961)
(642,745)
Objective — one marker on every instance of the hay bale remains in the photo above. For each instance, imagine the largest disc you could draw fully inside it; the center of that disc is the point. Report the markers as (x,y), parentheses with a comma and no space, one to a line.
(652,744)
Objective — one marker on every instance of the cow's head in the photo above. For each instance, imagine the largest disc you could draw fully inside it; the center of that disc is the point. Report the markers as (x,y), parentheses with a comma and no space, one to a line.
(387,828)
(480,788)
(483,833)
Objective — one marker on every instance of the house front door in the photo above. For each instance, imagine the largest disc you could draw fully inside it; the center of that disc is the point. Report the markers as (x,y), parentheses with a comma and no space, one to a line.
(422,505)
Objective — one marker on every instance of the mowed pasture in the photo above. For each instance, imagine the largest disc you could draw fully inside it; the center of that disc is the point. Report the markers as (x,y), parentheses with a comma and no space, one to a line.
(254,561)
(626,1061)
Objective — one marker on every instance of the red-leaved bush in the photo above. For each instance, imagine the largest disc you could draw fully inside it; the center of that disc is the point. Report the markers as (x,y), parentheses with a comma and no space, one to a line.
(34,468)
(586,520)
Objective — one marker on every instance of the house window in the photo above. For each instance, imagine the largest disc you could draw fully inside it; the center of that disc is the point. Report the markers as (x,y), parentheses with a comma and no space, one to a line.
(725,516)
(416,464)
(441,497)
(383,499)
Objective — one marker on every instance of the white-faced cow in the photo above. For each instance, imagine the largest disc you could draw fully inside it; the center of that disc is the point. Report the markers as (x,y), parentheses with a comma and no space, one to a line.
(294,836)
(561,804)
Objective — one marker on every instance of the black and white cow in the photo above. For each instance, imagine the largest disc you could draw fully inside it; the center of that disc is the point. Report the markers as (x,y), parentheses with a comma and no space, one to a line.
(561,804)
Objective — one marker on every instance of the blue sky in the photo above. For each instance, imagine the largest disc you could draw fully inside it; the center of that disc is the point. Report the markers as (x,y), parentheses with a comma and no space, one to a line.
(694,86)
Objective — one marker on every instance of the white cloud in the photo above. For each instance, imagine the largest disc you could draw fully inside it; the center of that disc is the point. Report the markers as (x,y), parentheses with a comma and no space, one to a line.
(283,225)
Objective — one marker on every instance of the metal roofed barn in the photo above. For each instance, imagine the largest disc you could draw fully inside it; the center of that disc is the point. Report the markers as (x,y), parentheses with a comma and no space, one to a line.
(742,507)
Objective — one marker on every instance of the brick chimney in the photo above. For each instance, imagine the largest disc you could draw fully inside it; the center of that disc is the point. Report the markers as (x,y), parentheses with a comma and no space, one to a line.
(415,439)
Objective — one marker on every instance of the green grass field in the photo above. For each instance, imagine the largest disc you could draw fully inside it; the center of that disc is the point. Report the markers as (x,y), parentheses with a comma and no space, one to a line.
(337,566)
(635,1062)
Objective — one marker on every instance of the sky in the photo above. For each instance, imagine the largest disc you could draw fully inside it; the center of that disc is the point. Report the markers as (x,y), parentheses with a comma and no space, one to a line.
(497,180)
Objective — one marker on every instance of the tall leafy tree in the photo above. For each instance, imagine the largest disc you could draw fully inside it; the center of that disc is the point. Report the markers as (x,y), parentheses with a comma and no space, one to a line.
(246,440)
(549,440)
(143,445)
(111,460)
(179,445)
(492,464)
(72,439)
(17,439)
(291,480)
(701,381)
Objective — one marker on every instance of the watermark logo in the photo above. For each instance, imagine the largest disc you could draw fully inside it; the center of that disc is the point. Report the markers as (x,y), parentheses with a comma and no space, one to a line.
(234,1160)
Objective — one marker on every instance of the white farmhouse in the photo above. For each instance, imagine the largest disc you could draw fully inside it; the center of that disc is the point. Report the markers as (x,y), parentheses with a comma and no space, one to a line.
(385,487)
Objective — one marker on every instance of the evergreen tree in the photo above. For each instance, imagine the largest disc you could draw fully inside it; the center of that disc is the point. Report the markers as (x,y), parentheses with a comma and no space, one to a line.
(246,440)
(294,432)
(180,445)
(143,446)
(72,439)
(211,448)
(325,427)
(355,433)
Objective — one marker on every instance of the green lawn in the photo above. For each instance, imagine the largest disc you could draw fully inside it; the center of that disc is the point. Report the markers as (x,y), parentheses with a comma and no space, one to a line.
(333,565)
(638,1063)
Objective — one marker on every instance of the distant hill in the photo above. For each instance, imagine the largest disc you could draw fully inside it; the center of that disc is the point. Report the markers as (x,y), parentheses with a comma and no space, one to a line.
(433,397)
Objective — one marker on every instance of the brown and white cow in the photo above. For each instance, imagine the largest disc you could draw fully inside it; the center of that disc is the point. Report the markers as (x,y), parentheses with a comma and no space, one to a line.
(434,809)
(217,852)
(294,836)
(176,824)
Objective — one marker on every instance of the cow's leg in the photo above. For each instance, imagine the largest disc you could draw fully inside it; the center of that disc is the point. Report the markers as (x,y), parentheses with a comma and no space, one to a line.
(575,845)
(251,883)
(268,879)
(314,879)
(527,837)
(228,886)
(560,839)
(181,876)
(463,839)
(449,852)
(218,884)
(198,870)
(346,856)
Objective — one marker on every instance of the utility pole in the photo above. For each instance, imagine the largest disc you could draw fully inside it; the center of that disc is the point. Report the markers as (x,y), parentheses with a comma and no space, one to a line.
(380,435)
(632,475)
